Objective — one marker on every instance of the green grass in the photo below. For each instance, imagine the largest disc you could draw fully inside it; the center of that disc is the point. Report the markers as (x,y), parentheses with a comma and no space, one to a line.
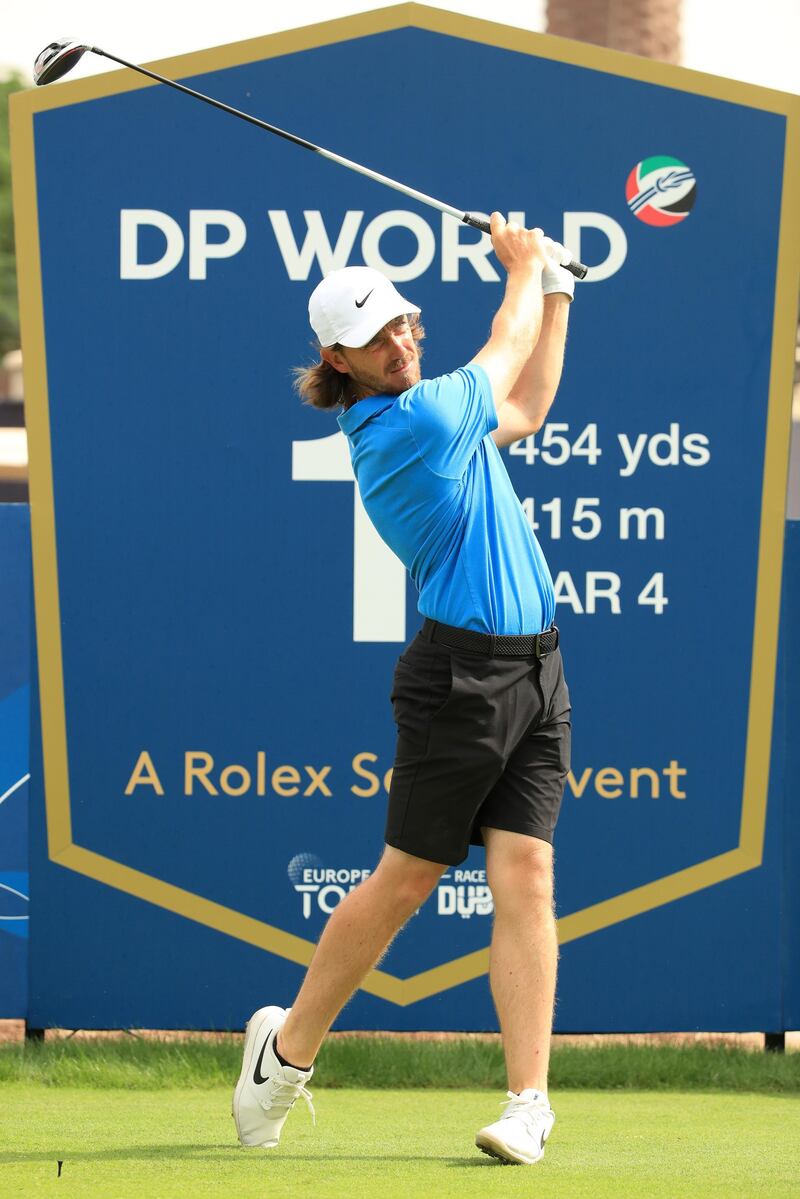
(391,1063)
(629,1145)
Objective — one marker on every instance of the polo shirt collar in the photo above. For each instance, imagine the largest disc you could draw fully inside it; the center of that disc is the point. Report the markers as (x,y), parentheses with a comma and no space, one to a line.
(358,414)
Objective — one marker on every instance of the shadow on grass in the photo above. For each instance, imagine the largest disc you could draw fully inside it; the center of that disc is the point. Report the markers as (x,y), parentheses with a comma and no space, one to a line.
(213,1152)
(128,1153)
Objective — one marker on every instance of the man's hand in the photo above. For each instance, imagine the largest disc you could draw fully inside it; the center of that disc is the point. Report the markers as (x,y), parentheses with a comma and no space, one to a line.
(518,249)
(555,277)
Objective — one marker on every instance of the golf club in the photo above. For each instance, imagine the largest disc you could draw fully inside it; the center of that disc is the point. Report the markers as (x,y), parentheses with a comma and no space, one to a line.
(59,57)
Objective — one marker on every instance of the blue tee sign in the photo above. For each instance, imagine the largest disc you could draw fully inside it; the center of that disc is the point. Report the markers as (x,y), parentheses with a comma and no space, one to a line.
(218,621)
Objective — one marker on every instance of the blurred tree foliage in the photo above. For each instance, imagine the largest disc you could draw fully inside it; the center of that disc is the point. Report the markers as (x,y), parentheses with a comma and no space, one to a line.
(9,313)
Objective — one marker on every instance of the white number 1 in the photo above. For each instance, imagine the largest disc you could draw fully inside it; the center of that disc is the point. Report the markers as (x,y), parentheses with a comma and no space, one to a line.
(379,577)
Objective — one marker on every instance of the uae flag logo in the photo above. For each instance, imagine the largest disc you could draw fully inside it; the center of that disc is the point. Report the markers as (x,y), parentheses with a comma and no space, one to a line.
(661,190)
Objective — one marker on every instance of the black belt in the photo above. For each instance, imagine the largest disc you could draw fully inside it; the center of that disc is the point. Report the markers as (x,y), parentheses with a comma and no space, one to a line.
(506,645)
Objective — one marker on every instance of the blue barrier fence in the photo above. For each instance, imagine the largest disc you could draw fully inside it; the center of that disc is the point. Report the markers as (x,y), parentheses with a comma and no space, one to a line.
(15,666)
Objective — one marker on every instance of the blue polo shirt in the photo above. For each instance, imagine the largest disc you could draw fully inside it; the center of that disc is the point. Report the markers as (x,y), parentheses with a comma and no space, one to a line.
(437,490)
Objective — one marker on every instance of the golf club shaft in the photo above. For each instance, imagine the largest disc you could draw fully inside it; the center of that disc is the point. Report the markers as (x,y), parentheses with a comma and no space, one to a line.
(298,141)
(577,268)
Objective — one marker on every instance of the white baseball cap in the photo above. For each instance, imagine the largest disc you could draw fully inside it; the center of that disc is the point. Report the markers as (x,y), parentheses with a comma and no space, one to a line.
(350,305)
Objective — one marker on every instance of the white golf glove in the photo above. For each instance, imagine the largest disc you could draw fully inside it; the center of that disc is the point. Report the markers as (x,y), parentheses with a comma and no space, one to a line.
(556,277)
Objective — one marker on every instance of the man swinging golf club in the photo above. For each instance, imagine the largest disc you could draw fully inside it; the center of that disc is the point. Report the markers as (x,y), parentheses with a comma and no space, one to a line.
(480,702)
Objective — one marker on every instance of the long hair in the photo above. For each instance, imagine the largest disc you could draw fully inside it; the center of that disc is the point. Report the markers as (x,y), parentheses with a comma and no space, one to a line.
(322,386)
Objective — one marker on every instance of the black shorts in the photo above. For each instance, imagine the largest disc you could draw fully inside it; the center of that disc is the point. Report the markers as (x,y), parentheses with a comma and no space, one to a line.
(482,742)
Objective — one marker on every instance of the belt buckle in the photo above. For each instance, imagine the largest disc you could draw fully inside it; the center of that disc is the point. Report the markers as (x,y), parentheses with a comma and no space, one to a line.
(537,645)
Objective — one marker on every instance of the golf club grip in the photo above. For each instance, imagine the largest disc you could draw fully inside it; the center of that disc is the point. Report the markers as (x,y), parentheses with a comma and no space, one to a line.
(575,268)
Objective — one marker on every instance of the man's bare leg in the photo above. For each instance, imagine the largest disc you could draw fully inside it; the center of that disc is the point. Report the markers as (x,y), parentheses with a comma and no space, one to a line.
(524,952)
(355,938)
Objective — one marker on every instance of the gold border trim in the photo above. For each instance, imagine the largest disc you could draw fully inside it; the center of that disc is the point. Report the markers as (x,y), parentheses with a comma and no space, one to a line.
(62,850)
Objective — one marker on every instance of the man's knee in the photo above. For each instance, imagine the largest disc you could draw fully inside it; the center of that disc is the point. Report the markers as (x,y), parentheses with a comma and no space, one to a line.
(519,870)
(410,879)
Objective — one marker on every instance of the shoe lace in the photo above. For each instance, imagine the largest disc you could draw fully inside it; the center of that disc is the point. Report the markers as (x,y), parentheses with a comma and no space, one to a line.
(527,1110)
(285,1094)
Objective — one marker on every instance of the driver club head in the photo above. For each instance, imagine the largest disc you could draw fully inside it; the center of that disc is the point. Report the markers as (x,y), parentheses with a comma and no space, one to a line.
(56,60)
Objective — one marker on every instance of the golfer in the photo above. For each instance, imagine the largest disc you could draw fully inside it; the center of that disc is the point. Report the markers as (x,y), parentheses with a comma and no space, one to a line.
(479,697)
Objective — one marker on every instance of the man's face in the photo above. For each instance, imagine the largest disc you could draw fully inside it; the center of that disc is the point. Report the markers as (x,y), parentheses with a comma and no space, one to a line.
(386,365)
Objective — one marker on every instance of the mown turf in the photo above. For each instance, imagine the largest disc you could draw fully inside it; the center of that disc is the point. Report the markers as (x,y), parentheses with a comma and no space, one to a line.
(629,1145)
(391,1063)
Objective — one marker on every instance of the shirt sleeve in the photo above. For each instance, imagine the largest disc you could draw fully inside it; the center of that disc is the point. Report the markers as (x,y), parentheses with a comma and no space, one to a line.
(449,418)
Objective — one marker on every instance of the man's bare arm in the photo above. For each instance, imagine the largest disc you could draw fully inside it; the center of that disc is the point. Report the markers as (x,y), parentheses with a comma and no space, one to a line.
(532,394)
(516,324)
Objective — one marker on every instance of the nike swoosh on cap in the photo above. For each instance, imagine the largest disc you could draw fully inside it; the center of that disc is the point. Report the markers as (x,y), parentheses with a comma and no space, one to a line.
(366,297)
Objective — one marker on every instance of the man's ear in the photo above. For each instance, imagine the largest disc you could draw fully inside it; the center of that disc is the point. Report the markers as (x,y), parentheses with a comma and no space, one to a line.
(335,359)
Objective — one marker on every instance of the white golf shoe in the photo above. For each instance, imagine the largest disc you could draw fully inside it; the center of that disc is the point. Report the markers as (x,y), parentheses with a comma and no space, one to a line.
(520,1133)
(266,1091)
